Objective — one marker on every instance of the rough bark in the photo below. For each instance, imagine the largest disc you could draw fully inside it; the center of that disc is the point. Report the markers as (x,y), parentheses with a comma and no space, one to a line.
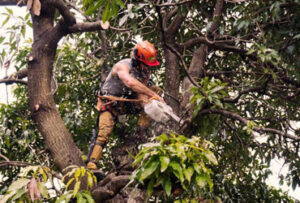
(172,61)
(196,71)
(172,79)
(42,105)
(197,66)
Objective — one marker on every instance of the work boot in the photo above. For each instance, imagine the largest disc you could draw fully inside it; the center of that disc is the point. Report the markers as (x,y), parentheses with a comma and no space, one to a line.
(94,158)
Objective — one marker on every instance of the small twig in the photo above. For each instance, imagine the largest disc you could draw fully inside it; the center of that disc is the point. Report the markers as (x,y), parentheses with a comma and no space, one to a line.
(236,116)
(14,163)
(4,157)
(24,164)
(37,158)
(177,54)
(174,4)
(235,1)
(69,3)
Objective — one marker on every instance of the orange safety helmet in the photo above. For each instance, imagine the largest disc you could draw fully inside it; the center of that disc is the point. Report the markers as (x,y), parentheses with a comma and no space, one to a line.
(146,53)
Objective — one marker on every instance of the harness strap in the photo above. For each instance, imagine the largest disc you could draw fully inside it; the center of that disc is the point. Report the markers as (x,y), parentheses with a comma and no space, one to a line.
(114,98)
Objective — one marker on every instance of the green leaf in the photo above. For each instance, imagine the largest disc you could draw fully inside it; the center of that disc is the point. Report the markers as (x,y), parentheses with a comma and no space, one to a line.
(297,36)
(107,12)
(188,173)
(163,138)
(42,188)
(18,184)
(159,180)
(23,31)
(77,174)
(27,16)
(137,160)
(123,20)
(114,9)
(64,198)
(6,20)
(18,194)
(83,171)
(76,188)
(211,157)
(69,182)
(9,10)
(201,181)
(90,180)
(92,8)
(197,168)
(176,166)
(6,197)
(149,169)
(120,3)
(88,197)
(79,198)
(164,161)
(218,103)
(216,89)
(1,39)
(44,174)
(167,185)
(150,187)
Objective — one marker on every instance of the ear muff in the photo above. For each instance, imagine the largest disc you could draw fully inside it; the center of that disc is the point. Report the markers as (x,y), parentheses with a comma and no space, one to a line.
(135,52)
(135,62)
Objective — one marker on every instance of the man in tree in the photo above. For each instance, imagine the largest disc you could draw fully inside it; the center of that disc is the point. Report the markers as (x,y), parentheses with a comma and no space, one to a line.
(128,79)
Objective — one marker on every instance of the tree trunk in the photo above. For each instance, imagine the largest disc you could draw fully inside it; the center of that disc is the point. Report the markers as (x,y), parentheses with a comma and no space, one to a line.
(172,79)
(196,71)
(44,112)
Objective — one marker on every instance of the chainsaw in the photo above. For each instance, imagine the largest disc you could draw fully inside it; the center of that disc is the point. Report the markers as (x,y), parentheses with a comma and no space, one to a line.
(160,112)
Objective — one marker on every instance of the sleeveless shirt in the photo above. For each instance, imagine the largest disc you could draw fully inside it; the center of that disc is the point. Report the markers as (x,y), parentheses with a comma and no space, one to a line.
(115,87)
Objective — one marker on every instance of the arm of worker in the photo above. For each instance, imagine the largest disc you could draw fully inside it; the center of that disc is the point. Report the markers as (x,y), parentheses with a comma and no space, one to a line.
(122,70)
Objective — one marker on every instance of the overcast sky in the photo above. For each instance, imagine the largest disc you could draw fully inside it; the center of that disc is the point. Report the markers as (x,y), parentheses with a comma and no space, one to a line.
(276,165)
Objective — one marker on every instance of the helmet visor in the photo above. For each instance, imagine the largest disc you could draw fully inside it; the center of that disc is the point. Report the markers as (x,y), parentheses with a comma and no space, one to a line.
(151,61)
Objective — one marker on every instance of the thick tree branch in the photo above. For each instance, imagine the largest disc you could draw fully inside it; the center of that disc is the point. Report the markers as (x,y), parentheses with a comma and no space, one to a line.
(18,75)
(235,116)
(13,81)
(177,54)
(216,17)
(196,69)
(168,16)
(176,23)
(12,3)
(69,18)
(86,27)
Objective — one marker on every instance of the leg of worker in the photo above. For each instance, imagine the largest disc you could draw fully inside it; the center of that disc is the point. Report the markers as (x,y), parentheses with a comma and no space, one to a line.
(106,124)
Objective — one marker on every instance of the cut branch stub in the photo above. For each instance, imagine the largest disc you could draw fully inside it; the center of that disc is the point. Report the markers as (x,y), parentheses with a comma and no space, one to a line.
(30,58)
(104,25)
(35,5)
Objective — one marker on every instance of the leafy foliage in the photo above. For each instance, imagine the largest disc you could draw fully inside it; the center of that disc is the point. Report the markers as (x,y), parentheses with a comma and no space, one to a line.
(176,161)
(215,90)
(252,60)
(34,182)
(111,8)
